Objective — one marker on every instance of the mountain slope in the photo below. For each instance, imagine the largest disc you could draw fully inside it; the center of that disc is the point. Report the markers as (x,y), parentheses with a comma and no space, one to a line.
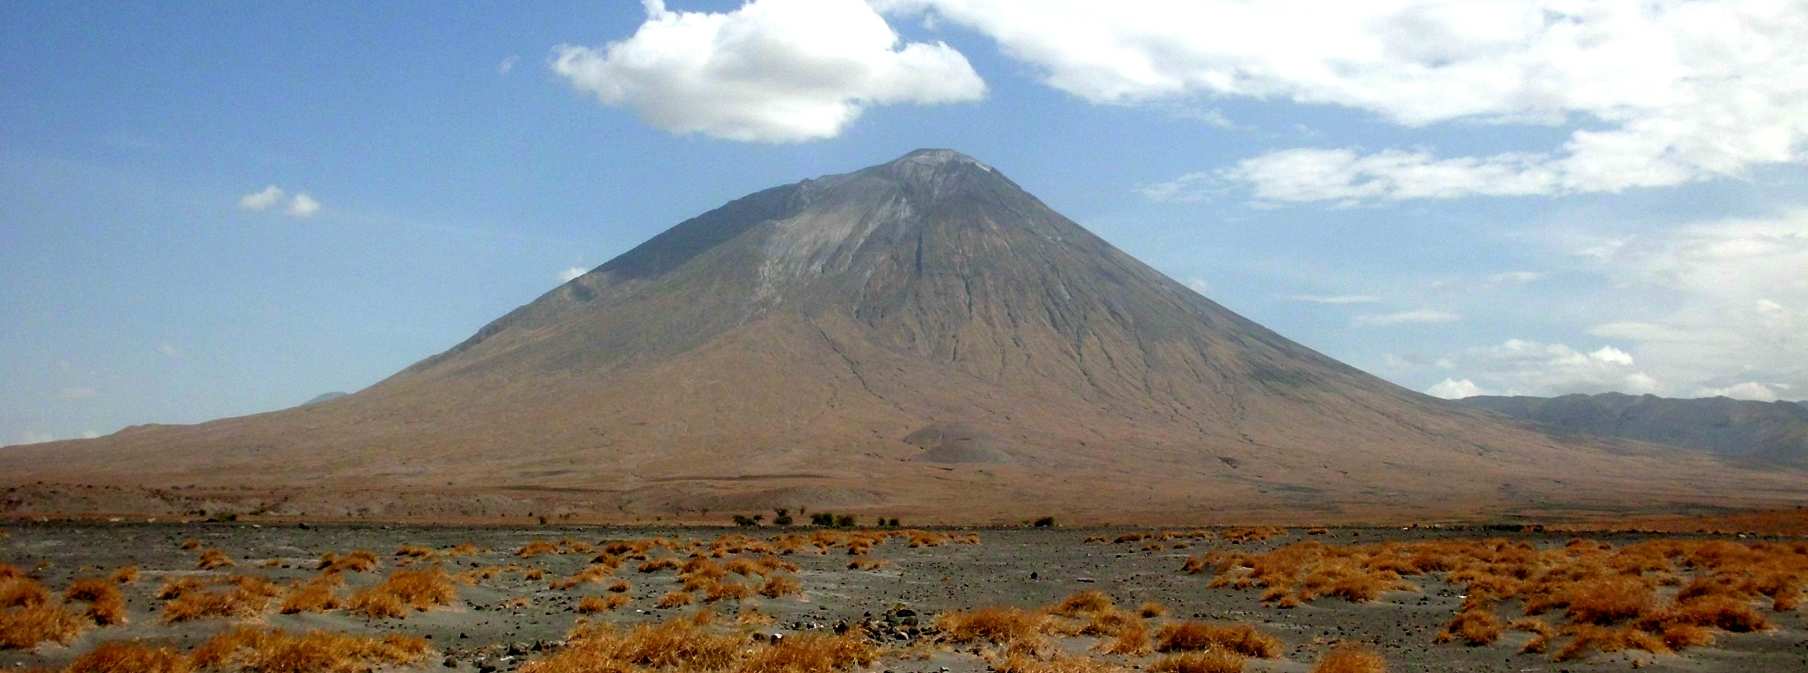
(922,335)
(1773,432)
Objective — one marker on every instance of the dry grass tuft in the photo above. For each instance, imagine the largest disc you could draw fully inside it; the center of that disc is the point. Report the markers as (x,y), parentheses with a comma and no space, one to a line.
(1588,637)
(22,628)
(1239,638)
(866,563)
(190,544)
(242,596)
(213,559)
(1082,603)
(590,605)
(1351,658)
(780,586)
(106,604)
(996,625)
(272,651)
(357,561)
(130,657)
(414,551)
(315,595)
(1472,627)
(402,591)
(1213,661)
(674,599)
(19,591)
(124,575)
(1151,610)
(537,548)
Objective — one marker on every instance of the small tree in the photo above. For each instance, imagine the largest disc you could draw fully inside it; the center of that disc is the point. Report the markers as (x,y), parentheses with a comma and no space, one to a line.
(744,520)
(1045,522)
(844,521)
(822,519)
(781,517)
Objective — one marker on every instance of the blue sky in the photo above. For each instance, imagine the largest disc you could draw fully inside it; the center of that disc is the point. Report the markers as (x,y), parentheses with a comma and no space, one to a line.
(1469,198)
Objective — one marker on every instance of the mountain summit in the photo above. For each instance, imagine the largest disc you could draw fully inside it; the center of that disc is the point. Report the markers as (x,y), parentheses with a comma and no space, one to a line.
(920,336)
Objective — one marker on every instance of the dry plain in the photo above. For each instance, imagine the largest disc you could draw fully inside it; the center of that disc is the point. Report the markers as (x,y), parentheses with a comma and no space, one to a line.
(512,597)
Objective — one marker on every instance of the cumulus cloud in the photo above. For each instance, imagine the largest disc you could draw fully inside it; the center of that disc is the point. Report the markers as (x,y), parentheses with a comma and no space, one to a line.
(572,273)
(1524,367)
(1654,93)
(301,205)
(1454,389)
(1423,316)
(770,71)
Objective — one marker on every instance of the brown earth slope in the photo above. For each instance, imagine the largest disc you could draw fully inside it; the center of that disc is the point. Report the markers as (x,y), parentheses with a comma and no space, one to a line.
(919,336)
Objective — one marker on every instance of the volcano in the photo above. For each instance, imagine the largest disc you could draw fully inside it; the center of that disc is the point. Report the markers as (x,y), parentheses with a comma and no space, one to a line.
(922,337)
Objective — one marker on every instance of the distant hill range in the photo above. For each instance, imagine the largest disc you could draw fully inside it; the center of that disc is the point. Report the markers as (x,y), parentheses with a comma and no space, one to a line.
(324,397)
(1775,432)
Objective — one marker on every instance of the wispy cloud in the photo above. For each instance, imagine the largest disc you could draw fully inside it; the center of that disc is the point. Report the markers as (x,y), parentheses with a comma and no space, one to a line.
(1423,316)
(572,273)
(1336,299)
(508,64)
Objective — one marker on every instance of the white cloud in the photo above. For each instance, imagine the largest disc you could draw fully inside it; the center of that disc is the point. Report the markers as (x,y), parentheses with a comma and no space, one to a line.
(770,71)
(508,64)
(169,350)
(1515,278)
(261,199)
(1188,188)
(1523,367)
(1655,93)
(303,205)
(90,434)
(1749,390)
(572,273)
(1423,316)
(1336,299)
(1711,305)
(1454,389)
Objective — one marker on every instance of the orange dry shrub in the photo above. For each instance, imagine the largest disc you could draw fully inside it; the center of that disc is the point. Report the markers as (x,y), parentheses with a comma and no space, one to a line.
(726,591)
(674,599)
(684,644)
(779,586)
(124,575)
(212,559)
(315,595)
(537,548)
(17,590)
(1249,534)
(995,625)
(1351,658)
(243,596)
(1082,603)
(1127,634)
(620,586)
(357,561)
(273,651)
(1472,627)
(591,574)
(1587,637)
(414,551)
(590,605)
(656,565)
(1542,634)
(23,627)
(106,604)
(866,563)
(402,591)
(124,657)
(1212,661)
(174,587)
(1239,638)
(190,544)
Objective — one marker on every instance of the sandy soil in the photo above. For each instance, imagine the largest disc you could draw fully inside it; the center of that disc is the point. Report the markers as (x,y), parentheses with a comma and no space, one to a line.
(1023,567)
